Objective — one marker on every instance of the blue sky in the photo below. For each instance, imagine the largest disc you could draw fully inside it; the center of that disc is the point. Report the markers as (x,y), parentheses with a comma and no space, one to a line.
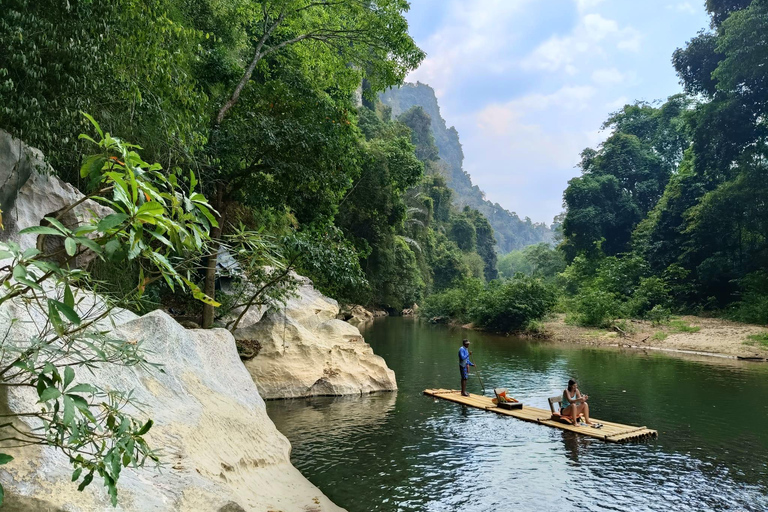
(527,83)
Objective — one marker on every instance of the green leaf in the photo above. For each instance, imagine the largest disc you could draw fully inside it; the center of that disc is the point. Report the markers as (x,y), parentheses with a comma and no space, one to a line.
(69,376)
(2,494)
(49,394)
(54,317)
(69,410)
(19,271)
(87,480)
(30,253)
(152,207)
(5,458)
(58,225)
(92,165)
(68,312)
(69,299)
(76,474)
(82,406)
(71,246)
(110,221)
(40,230)
(89,244)
(27,282)
(143,430)
(95,125)
(82,388)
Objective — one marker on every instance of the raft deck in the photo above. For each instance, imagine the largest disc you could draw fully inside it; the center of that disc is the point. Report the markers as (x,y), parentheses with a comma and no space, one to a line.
(610,432)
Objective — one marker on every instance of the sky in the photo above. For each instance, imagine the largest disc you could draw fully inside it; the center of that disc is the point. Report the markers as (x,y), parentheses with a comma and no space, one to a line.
(528,83)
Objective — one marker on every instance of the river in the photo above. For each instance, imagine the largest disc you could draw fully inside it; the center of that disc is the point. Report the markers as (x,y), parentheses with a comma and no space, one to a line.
(404,451)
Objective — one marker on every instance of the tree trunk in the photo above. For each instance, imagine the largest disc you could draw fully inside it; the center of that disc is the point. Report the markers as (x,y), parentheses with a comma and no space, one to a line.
(210,269)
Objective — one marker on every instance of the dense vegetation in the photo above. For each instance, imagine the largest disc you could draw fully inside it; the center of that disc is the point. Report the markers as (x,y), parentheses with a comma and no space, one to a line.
(669,213)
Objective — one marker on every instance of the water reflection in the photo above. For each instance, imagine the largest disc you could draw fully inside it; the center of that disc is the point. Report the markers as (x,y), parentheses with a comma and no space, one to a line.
(408,452)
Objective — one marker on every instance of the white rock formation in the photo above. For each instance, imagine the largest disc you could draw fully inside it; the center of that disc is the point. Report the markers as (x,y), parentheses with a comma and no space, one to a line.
(30,192)
(221,451)
(306,351)
(220,447)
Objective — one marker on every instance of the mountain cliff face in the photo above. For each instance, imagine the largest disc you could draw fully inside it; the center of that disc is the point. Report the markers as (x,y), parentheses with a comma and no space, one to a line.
(511,232)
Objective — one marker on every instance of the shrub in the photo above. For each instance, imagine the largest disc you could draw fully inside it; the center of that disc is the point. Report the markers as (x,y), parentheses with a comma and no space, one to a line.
(454,303)
(596,307)
(753,306)
(658,315)
(506,306)
(652,292)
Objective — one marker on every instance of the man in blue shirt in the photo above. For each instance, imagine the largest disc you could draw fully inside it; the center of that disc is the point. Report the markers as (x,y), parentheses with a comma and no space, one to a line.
(464,364)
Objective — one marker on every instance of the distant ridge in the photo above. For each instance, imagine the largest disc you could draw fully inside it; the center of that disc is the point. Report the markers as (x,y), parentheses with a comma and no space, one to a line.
(511,232)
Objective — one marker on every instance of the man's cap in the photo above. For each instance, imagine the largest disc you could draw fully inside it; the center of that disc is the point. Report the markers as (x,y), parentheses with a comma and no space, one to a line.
(465,341)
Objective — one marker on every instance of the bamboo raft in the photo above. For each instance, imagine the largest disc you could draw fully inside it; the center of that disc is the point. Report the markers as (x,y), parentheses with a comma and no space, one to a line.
(610,432)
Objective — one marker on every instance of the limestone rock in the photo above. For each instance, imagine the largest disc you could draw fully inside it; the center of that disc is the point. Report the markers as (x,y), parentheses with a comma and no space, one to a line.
(306,351)
(222,452)
(355,314)
(30,192)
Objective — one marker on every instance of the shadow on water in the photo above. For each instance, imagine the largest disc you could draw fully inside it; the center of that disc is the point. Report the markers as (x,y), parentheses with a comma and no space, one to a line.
(406,452)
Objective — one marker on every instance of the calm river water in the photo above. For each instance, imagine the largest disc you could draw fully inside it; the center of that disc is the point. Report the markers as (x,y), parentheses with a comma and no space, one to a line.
(404,451)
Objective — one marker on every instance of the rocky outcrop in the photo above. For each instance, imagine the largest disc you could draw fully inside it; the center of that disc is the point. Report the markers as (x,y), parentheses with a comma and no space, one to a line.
(220,450)
(30,192)
(219,446)
(306,351)
(355,314)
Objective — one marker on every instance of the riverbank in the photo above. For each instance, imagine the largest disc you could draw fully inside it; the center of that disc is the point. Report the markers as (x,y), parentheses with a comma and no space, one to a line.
(687,333)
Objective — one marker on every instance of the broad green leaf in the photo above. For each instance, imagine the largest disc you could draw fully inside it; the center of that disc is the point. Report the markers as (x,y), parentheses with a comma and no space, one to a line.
(143,430)
(68,312)
(71,246)
(69,299)
(19,272)
(92,165)
(5,458)
(87,480)
(58,225)
(110,221)
(30,283)
(76,474)
(81,388)
(89,244)
(30,253)
(54,317)
(94,123)
(40,230)
(82,406)
(69,376)
(69,410)
(49,394)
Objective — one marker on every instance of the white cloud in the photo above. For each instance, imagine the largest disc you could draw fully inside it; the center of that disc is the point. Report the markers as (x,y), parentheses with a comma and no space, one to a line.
(474,40)
(585,5)
(608,76)
(685,7)
(518,133)
(589,38)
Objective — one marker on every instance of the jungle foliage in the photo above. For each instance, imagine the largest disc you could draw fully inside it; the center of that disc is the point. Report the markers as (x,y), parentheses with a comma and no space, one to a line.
(669,213)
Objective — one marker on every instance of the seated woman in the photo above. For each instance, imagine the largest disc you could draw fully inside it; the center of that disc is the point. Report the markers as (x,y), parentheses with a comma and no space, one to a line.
(574,404)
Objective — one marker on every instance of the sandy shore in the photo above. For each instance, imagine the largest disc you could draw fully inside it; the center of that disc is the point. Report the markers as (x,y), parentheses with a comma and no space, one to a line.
(714,336)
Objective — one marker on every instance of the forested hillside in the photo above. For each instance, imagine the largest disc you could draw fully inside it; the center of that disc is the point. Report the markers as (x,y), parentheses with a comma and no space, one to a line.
(670,212)
(511,232)
(257,101)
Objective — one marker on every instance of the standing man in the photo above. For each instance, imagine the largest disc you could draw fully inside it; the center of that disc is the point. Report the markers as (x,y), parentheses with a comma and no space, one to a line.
(464,354)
